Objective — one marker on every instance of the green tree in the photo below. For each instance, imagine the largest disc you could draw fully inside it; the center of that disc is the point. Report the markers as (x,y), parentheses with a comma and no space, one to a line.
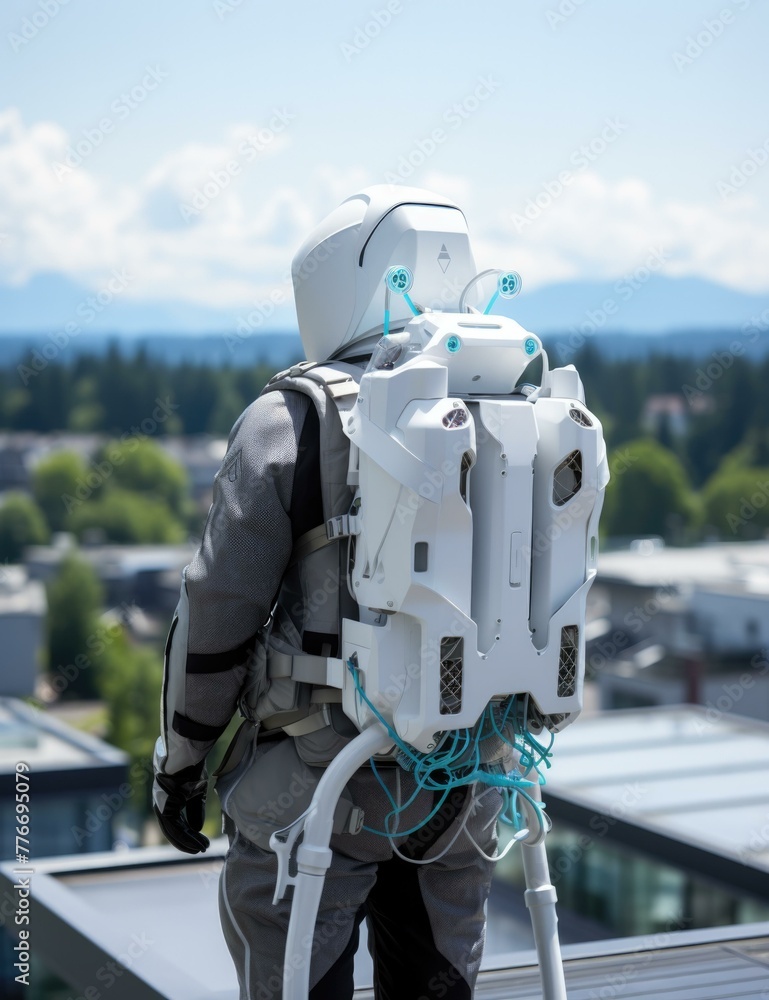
(736,501)
(55,479)
(127,518)
(649,493)
(144,467)
(86,413)
(752,453)
(14,405)
(21,523)
(225,413)
(74,641)
(130,679)
(664,432)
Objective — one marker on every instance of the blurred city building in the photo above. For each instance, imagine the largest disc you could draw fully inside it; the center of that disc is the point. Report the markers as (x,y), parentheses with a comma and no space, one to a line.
(672,411)
(21,451)
(78,785)
(201,457)
(672,625)
(22,627)
(145,575)
(661,811)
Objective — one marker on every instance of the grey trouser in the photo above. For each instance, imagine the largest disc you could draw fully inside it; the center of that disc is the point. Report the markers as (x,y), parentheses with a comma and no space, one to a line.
(426,922)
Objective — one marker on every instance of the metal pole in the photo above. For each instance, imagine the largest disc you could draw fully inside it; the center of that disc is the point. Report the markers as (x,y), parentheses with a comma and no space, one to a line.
(540,898)
(313,857)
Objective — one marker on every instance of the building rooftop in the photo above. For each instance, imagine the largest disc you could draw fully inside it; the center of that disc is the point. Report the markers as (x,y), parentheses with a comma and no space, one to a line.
(18,594)
(687,783)
(114,560)
(724,964)
(648,563)
(88,911)
(49,747)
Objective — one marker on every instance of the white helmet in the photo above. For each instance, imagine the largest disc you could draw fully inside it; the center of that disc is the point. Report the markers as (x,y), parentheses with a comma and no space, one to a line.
(339,271)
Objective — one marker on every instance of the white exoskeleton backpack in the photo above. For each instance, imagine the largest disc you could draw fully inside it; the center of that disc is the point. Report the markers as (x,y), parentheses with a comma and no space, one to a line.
(476,529)
(464,530)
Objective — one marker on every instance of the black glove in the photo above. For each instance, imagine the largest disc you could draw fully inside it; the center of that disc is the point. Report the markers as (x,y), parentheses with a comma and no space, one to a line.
(186,793)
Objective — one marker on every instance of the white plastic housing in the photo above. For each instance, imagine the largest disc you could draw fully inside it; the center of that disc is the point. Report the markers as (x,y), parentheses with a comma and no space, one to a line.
(465,538)
(338,270)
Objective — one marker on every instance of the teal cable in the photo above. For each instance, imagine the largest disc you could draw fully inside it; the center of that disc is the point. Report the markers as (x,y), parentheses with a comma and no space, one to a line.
(443,760)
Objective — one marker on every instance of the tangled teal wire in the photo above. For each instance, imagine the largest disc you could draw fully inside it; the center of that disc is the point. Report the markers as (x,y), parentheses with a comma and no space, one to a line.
(458,760)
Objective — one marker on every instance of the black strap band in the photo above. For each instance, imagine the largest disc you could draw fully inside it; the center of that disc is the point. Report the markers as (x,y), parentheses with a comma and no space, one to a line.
(192,730)
(216,663)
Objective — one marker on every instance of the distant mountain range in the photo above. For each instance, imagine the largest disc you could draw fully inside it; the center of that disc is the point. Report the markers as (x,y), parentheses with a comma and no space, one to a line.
(660,305)
(680,315)
(277,349)
(49,301)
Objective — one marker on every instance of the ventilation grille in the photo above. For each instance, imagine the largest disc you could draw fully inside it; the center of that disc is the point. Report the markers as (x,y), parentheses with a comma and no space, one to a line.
(568,661)
(567,479)
(579,417)
(451,674)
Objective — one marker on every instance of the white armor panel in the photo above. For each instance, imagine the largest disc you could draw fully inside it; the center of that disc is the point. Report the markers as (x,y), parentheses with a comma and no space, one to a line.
(476,529)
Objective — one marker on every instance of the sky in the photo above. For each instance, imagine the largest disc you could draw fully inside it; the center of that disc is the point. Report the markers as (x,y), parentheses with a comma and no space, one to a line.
(190,146)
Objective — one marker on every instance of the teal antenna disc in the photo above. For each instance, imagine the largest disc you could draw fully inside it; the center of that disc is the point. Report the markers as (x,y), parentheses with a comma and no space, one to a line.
(399,279)
(509,284)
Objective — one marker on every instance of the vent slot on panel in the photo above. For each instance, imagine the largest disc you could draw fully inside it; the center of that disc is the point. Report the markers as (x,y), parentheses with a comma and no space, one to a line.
(467,461)
(451,674)
(568,661)
(420,557)
(567,479)
(580,417)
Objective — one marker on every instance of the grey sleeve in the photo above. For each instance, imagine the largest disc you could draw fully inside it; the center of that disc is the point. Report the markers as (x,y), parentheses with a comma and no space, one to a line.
(231,583)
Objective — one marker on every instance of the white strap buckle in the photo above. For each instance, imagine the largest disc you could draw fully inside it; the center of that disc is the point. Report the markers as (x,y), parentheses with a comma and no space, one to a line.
(282,843)
(342,526)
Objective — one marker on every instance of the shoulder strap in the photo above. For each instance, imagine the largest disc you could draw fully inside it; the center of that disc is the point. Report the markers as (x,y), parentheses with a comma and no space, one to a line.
(333,388)
(339,381)
(337,378)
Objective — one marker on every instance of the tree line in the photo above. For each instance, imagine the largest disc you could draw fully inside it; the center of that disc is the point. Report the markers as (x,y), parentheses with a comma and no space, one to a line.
(705,480)
(115,394)
(707,477)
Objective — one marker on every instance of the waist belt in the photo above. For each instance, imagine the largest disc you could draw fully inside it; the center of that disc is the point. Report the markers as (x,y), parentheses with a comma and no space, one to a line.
(317,718)
(315,671)
(306,667)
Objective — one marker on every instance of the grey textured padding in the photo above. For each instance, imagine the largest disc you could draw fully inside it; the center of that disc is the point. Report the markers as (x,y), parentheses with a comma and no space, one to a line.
(211,697)
(230,585)
(201,748)
(262,800)
(313,595)
(234,576)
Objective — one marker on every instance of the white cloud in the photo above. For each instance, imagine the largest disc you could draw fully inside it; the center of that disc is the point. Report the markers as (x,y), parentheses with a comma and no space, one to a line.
(596,229)
(183,229)
(188,230)
(50,226)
